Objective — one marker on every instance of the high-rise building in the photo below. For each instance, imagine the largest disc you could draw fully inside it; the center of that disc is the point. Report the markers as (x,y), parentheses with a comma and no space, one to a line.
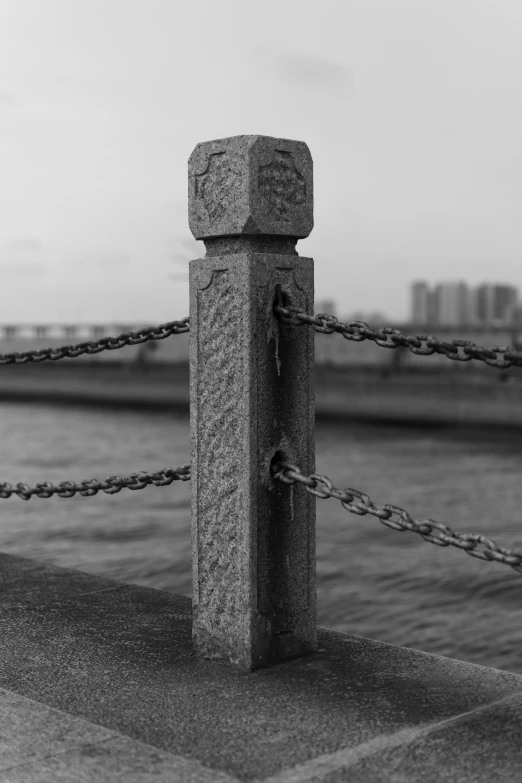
(505,300)
(483,303)
(517,316)
(421,302)
(496,304)
(452,304)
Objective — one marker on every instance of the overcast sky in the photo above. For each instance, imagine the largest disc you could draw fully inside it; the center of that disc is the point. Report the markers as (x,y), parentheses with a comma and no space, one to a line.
(412,110)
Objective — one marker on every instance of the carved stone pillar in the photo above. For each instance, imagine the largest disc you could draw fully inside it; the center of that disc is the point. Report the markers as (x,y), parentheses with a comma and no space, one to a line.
(251,398)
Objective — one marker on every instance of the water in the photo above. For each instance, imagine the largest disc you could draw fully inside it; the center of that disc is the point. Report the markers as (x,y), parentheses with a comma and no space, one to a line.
(372,581)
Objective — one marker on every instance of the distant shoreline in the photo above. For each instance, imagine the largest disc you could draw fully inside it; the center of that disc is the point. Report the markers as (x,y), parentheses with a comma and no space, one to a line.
(348,393)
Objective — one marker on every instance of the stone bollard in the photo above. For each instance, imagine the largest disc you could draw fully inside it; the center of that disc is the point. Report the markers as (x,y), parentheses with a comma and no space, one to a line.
(252,401)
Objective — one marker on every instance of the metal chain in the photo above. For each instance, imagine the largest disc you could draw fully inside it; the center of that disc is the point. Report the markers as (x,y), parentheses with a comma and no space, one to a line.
(110,485)
(103,344)
(356,331)
(289,474)
(359,331)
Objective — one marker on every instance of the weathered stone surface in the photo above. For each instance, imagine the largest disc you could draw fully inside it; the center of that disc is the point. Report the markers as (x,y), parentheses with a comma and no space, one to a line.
(251,398)
(252,395)
(121,656)
(250,185)
(30,731)
(39,744)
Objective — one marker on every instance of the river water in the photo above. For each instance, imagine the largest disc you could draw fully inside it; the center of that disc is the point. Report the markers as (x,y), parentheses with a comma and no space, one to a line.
(372,581)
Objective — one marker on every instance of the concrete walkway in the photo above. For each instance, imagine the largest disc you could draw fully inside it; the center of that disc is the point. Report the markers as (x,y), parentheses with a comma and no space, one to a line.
(99,683)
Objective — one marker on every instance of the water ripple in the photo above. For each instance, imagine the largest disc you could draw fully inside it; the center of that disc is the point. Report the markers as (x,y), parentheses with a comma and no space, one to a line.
(372,581)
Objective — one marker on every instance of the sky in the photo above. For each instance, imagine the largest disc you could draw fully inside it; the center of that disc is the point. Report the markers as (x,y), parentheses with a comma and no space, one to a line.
(412,110)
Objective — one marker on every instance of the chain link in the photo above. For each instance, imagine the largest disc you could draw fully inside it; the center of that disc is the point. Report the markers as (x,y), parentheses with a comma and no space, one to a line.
(356,331)
(445,536)
(103,344)
(359,331)
(288,474)
(324,323)
(110,485)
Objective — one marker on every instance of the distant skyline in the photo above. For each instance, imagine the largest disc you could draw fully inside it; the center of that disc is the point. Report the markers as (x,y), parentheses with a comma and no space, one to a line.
(410,111)
(456,303)
(432,303)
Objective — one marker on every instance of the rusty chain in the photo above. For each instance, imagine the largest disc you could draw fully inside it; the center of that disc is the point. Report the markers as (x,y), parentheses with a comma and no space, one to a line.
(359,331)
(103,344)
(110,485)
(324,323)
(289,474)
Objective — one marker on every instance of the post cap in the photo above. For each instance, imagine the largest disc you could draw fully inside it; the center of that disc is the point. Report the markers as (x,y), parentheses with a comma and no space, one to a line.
(250,185)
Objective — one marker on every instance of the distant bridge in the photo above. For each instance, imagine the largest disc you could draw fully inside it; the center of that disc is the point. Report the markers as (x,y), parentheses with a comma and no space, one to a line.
(10,331)
(18,337)
(88,331)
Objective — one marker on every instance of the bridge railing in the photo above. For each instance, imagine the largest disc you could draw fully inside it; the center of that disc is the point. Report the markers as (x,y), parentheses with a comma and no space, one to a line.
(60,330)
(252,436)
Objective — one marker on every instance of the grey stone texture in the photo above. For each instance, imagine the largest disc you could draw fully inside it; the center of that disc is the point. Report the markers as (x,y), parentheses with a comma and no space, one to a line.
(250,185)
(30,731)
(121,657)
(39,744)
(251,397)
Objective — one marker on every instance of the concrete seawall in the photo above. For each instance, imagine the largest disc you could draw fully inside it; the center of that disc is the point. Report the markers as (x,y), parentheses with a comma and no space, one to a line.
(100,682)
(485,397)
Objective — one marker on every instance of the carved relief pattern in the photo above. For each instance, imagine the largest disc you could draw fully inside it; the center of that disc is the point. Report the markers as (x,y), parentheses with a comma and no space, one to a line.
(218,187)
(282,185)
(220,392)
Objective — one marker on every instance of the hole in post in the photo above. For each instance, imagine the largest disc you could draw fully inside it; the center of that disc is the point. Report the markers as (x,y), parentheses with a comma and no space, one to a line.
(281,297)
(279,456)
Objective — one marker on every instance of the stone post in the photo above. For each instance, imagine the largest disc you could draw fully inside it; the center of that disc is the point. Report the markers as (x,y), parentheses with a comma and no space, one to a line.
(251,401)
